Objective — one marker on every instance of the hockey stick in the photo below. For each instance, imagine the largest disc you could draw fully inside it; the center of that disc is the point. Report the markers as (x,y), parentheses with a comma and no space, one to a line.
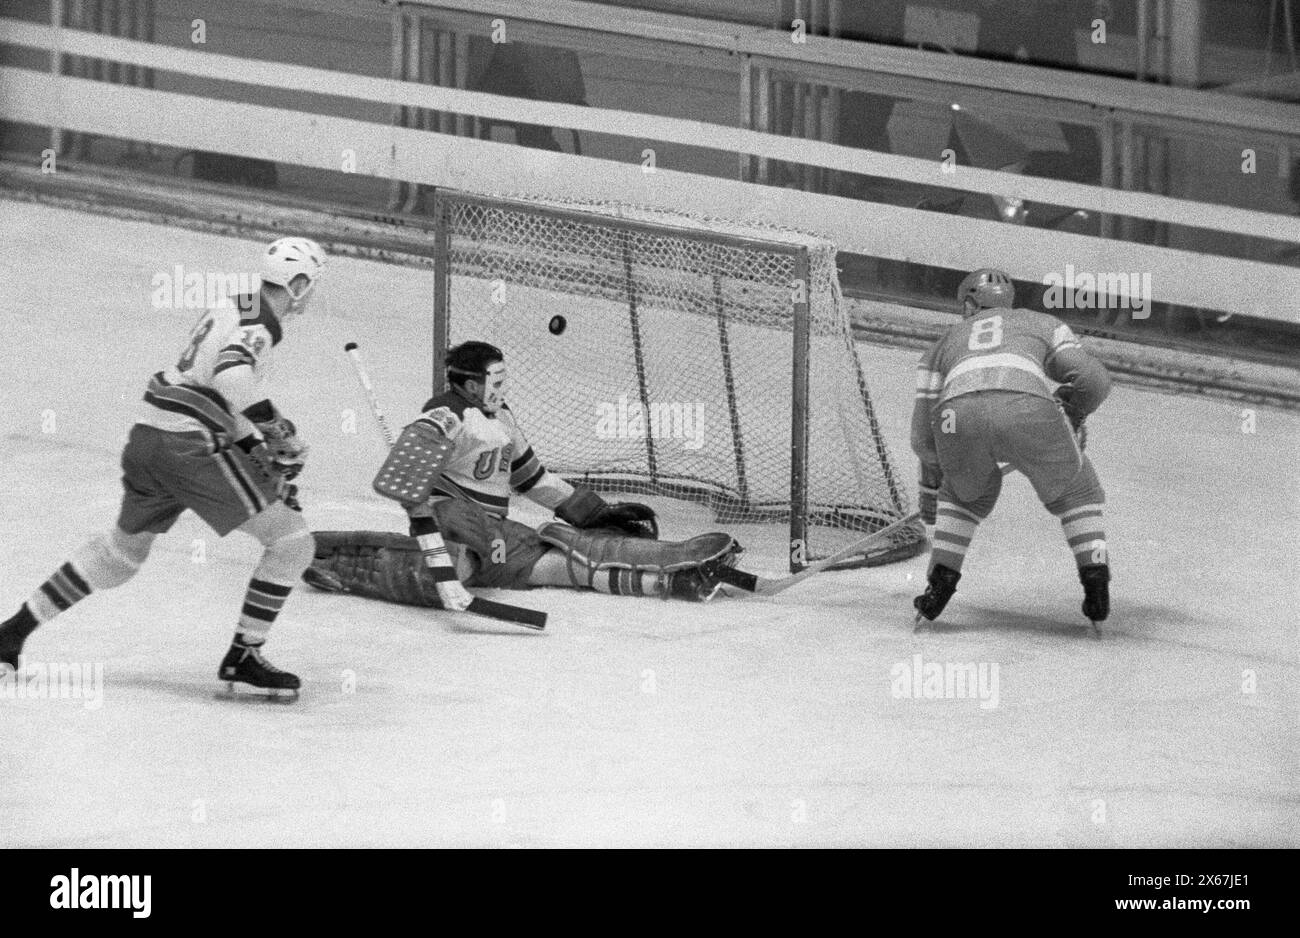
(530,618)
(762,586)
(363,376)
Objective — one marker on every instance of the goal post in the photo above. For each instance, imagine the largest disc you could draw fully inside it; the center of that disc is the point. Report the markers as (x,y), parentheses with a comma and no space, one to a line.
(667,356)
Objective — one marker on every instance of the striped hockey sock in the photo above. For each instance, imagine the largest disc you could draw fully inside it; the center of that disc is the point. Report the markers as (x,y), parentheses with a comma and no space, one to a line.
(101,563)
(618,582)
(1083,532)
(65,587)
(262,603)
(954,527)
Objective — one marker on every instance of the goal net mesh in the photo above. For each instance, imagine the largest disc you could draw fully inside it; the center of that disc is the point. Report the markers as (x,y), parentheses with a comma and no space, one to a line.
(652,354)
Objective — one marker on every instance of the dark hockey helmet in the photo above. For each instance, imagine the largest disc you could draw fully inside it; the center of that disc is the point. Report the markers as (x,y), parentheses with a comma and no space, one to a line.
(474,361)
(986,288)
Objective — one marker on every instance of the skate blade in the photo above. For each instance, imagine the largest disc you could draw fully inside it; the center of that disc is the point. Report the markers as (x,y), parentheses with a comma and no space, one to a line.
(247,693)
(1095,631)
(919,625)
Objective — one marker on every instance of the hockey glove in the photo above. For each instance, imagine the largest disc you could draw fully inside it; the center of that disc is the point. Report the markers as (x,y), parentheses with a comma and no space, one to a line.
(288,453)
(632,518)
(585,509)
(928,500)
(261,457)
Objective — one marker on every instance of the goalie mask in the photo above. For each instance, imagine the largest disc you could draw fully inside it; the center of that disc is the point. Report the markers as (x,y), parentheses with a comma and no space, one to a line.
(483,364)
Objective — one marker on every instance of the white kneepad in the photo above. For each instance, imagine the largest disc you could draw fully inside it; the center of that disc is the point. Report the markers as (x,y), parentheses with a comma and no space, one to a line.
(110,560)
(287,557)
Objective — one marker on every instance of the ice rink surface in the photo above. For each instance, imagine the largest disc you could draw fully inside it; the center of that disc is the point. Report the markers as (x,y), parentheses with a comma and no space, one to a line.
(630,721)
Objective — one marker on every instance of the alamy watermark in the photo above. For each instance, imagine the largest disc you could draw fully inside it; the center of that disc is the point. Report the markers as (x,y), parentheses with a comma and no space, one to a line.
(179,288)
(1101,290)
(664,421)
(54,680)
(83,891)
(949,680)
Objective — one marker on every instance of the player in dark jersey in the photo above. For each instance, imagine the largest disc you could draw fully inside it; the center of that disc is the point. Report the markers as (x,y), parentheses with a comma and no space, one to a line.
(472,458)
(1006,386)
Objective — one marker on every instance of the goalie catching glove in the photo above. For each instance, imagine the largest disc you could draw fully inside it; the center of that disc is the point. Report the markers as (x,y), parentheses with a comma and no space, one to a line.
(585,509)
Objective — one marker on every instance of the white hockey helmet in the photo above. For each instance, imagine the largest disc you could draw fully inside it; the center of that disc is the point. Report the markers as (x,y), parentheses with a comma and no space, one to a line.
(287,259)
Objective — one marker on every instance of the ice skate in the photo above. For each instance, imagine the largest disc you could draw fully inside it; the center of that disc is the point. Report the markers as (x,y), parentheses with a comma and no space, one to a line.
(245,664)
(13,632)
(1095,578)
(943,583)
(701,584)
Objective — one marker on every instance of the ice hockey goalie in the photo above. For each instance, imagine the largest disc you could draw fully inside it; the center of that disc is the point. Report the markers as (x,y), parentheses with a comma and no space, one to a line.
(455,468)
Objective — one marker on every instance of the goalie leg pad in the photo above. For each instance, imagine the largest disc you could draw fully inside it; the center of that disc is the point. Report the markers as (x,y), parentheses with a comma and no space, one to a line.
(591,552)
(390,566)
(376,564)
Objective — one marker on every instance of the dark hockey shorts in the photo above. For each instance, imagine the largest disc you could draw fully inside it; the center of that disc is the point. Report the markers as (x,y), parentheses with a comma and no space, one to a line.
(973,433)
(498,553)
(165,473)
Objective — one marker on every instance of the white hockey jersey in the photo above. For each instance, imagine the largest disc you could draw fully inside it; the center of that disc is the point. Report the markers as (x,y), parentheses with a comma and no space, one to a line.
(492,459)
(218,375)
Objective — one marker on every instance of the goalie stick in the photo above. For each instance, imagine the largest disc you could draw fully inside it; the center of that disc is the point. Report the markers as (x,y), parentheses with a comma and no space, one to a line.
(530,618)
(739,583)
(742,583)
(761,586)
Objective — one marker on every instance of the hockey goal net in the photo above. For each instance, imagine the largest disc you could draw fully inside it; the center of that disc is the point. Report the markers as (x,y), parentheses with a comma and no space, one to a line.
(662,355)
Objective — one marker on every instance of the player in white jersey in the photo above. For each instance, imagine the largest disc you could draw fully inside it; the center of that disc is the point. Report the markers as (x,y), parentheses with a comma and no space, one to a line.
(208,439)
(455,470)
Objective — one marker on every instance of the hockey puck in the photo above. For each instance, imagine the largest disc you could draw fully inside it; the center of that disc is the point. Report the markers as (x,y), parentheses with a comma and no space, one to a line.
(349,347)
(558,325)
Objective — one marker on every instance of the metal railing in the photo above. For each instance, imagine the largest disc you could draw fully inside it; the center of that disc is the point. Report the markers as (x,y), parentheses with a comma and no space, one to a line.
(1240,286)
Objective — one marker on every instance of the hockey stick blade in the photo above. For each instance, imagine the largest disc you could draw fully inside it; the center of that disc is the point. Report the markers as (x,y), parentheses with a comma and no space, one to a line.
(743,583)
(529,618)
